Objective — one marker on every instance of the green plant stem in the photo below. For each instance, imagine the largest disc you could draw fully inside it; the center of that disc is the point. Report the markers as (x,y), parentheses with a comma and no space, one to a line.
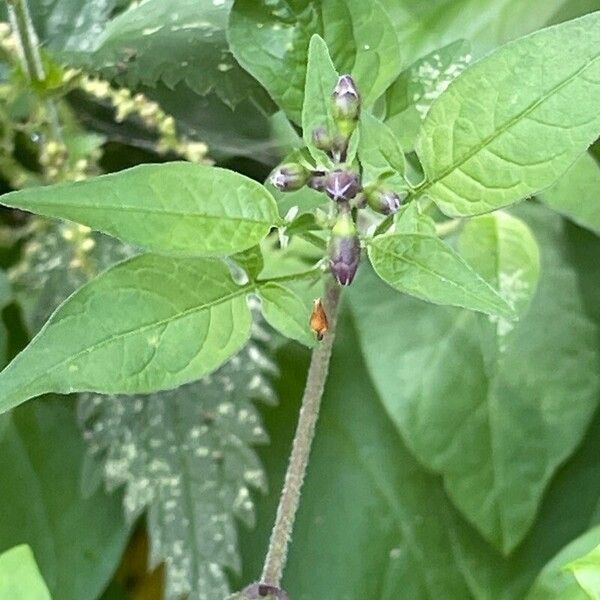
(305,431)
(29,53)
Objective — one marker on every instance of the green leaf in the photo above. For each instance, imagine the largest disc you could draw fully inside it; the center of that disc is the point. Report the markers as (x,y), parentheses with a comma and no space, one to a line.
(271,39)
(20,578)
(78,542)
(558,580)
(511,124)
(148,323)
(409,219)
(179,41)
(178,208)
(408,100)
(577,194)
(287,309)
(321,78)
(587,572)
(423,266)
(502,249)
(6,295)
(495,424)
(251,261)
(185,457)
(379,152)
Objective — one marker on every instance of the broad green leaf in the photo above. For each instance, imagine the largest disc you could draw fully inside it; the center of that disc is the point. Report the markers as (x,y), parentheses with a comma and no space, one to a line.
(288,310)
(425,267)
(408,100)
(502,249)
(251,261)
(78,542)
(321,78)
(178,208)
(5,298)
(409,219)
(178,41)
(496,425)
(577,194)
(185,457)
(379,152)
(20,578)
(511,124)
(271,39)
(558,579)
(147,324)
(587,572)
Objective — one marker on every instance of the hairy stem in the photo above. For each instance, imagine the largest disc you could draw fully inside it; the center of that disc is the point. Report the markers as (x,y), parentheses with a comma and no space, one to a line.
(305,431)
(28,48)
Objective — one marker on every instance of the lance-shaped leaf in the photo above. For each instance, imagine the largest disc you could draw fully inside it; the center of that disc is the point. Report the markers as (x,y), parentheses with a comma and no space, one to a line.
(511,124)
(185,456)
(577,194)
(425,267)
(176,208)
(147,324)
(379,151)
(20,577)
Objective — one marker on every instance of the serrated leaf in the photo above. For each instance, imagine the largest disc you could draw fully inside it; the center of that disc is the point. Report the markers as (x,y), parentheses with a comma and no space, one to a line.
(379,151)
(558,580)
(288,310)
(408,100)
(185,456)
(271,39)
(495,425)
(321,78)
(177,208)
(511,124)
(577,194)
(147,324)
(20,577)
(425,267)
(178,41)
(78,542)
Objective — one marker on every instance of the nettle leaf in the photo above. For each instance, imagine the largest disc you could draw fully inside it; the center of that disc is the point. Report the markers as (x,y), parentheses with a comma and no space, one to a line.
(321,78)
(379,151)
(147,324)
(511,124)
(560,577)
(577,194)
(408,100)
(494,411)
(185,456)
(271,39)
(20,577)
(78,542)
(424,266)
(178,41)
(175,208)
(287,307)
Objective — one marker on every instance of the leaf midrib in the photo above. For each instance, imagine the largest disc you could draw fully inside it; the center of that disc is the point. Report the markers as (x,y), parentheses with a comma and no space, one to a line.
(504,128)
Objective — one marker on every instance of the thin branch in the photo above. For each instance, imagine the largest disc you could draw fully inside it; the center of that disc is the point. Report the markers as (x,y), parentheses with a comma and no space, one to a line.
(305,431)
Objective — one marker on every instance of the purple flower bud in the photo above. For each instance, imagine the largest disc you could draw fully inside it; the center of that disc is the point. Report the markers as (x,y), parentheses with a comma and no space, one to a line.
(321,139)
(344,249)
(346,99)
(289,177)
(262,591)
(317,182)
(341,185)
(384,201)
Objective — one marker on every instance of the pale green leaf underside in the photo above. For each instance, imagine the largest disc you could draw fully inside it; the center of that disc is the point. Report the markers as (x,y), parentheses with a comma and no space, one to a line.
(175,208)
(20,578)
(425,267)
(149,323)
(577,194)
(587,572)
(511,124)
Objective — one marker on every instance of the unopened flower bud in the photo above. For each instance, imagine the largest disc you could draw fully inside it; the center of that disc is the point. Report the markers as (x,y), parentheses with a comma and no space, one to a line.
(342,185)
(317,182)
(384,201)
(321,139)
(344,249)
(346,100)
(289,177)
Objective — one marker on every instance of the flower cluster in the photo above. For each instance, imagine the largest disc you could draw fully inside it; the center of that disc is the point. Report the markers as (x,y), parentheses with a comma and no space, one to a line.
(342,183)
